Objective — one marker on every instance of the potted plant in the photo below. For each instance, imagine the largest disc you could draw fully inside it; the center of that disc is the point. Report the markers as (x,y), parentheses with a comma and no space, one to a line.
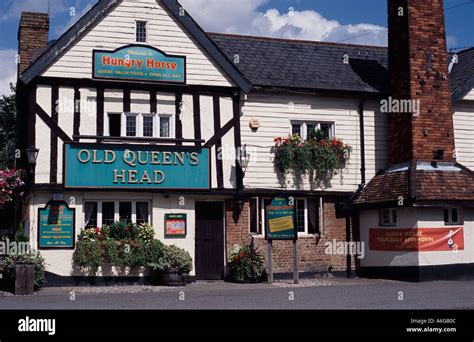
(246,264)
(35,265)
(174,266)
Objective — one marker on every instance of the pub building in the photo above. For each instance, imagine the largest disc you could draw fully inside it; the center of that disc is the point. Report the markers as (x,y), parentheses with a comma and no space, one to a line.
(135,114)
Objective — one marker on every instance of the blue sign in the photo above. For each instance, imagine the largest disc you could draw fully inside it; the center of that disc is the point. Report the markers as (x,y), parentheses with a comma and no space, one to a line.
(139,63)
(56,226)
(136,167)
(280,220)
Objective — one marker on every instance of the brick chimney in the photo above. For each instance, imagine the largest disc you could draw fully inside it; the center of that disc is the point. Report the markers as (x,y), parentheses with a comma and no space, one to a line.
(32,38)
(418,68)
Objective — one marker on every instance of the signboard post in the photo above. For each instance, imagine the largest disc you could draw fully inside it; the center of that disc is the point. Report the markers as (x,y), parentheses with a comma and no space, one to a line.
(56,226)
(280,225)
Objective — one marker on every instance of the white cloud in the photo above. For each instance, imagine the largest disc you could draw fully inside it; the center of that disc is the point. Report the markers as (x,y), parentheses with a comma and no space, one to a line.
(17,6)
(452,41)
(244,17)
(8,70)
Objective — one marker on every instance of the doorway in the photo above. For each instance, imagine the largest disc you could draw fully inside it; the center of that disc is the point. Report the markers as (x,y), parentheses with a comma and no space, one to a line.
(210,261)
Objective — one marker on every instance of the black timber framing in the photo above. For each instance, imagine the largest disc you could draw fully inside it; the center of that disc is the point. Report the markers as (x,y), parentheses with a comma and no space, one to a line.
(77,112)
(47,120)
(53,160)
(237,143)
(178,110)
(218,149)
(31,119)
(100,112)
(197,117)
(153,102)
(127,106)
(138,86)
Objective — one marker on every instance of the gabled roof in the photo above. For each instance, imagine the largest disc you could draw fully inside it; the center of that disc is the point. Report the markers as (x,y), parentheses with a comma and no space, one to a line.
(270,62)
(273,62)
(101,10)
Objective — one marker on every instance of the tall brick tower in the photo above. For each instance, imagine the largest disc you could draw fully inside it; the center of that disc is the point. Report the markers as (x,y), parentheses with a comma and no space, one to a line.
(418,68)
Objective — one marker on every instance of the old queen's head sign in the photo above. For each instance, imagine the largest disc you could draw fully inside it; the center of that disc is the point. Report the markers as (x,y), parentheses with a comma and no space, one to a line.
(139,63)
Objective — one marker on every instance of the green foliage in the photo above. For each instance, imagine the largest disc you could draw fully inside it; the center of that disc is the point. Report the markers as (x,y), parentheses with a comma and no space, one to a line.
(8,264)
(174,259)
(88,254)
(317,154)
(123,246)
(246,264)
(20,235)
(7,129)
(146,233)
(122,230)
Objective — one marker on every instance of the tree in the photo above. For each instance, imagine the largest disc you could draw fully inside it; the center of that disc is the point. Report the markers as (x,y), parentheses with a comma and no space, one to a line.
(7,128)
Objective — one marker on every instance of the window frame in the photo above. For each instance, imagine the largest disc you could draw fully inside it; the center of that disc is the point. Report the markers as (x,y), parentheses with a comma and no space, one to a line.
(317,124)
(450,221)
(137,40)
(140,124)
(116,210)
(391,223)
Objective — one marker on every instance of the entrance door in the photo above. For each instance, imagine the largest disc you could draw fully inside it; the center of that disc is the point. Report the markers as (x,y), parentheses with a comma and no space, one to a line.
(209,240)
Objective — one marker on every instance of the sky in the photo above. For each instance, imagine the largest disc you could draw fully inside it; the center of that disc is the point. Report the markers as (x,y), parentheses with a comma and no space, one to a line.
(348,21)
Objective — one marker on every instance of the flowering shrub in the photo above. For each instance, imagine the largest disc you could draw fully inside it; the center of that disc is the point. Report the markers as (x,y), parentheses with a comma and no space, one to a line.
(126,245)
(13,187)
(317,154)
(246,264)
(146,232)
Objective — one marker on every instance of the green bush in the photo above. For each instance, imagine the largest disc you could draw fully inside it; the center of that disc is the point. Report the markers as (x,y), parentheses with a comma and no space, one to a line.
(122,231)
(20,235)
(88,254)
(8,266)
(174,259)
(246,264)
(155,252)
(146,233)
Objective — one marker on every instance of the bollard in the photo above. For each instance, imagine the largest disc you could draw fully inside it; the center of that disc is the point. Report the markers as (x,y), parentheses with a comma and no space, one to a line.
(24,279)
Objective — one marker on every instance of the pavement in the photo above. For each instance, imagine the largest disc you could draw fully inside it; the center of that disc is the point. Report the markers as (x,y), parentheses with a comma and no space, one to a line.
(337,293)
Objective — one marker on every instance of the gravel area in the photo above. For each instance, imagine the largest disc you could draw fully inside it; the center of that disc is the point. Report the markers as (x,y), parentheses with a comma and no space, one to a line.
(304,283)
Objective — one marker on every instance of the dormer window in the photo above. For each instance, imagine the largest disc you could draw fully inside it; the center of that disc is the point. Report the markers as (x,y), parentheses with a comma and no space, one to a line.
(141,31)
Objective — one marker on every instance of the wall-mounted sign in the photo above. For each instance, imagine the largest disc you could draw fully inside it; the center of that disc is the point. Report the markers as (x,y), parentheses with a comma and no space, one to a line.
(280,223)
(175,226)
(56,226)
(417,239)
(139,63)
(136,167)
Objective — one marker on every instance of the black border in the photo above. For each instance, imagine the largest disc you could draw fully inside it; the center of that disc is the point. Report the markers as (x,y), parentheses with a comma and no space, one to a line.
(95,77)
(50,203)
(294,221)
(193,148)
(181,236)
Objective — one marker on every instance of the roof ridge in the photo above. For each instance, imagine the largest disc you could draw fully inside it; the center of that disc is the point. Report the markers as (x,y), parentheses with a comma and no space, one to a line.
(294,41)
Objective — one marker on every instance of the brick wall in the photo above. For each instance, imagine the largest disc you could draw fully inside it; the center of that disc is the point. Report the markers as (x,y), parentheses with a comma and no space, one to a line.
(311,251)
(32,37)
(417,38)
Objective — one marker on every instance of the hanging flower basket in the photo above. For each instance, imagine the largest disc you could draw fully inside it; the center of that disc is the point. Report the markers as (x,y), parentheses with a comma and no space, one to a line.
(319,155)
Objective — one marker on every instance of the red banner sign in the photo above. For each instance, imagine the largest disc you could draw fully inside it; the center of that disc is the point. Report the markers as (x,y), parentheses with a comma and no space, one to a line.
(417,239)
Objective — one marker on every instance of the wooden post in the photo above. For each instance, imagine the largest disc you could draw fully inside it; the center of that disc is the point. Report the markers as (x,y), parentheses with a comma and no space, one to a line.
(296,277)
(270,262)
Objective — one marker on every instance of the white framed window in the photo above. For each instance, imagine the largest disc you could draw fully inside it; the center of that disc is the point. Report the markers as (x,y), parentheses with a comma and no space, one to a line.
(141,31)
(303,128)
(452,216)
(388,217)
(140,125)
(100,213)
